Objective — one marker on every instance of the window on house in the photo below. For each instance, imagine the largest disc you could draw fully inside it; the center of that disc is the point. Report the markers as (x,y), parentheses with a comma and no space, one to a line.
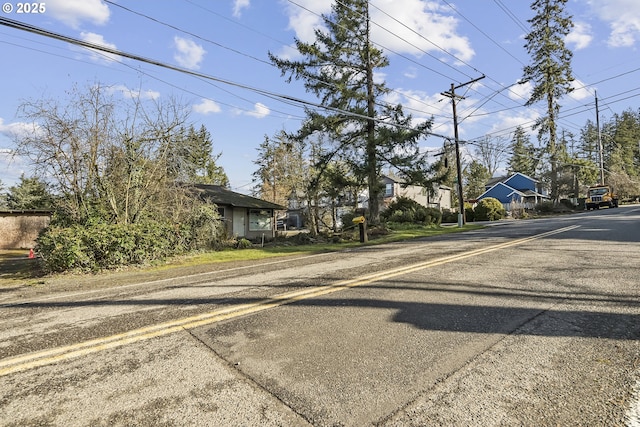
(388,190)
(221,213)
(259,220)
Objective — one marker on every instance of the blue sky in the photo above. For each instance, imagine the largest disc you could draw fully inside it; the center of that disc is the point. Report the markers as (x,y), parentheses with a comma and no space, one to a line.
(430,45)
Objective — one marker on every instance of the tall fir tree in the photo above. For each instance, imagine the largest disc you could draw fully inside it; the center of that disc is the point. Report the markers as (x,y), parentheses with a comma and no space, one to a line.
(523,158)
(549,71)
(623,153)
(339,68)
(477,176)
(280,176)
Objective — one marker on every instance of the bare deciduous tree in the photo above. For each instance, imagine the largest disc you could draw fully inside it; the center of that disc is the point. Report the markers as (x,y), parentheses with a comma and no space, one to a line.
(110,158)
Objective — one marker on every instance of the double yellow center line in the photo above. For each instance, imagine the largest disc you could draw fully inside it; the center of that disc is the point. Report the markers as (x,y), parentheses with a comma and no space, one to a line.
(58,354)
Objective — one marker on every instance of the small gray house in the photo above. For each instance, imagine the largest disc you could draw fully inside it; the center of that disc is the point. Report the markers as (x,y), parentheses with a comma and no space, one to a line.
(243,215)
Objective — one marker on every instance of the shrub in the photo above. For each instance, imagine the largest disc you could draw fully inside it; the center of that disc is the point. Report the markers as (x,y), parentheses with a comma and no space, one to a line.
(207,231)
(97,246)
(469,213)
(405,210)
(545,207)
(244,244)
(449,216)
(347,219)
(489,209)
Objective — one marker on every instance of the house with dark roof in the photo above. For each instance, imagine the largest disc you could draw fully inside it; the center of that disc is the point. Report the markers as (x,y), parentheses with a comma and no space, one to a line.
(243,215)
(516,188)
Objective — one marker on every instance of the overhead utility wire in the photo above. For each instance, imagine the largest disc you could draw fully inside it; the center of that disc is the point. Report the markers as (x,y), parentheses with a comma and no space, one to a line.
(228,48)
(438,47)
(287,98)
(389,50)
(511,15)
(186,32)
(141,71)
(205,40)
(488,98)
(482,101)
(424,38)
(378,44)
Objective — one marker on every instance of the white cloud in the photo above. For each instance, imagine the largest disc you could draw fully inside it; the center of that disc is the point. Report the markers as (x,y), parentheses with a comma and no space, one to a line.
(189,54)
(99,56)
(580,37)
(623,17)
(17,129)
(411,73)
(303,22)
(238,5)
(260,111)
(74,12)
(415,28)
(12,167)
(508,120)
(418,26)
(207,106)
(520,92)
(580,92)
(135,94)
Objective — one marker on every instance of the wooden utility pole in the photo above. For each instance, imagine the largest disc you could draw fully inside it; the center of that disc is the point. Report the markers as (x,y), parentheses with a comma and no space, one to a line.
(600,150)
(452,94)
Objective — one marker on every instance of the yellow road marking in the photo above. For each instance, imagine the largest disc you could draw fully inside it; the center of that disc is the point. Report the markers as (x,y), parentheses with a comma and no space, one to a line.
(50,356)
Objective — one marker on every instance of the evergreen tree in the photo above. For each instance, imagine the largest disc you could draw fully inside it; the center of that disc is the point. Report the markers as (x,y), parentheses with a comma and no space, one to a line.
(280,177)
(549,71)
(523,158)
(477,176)
(191,158)
(339,67)
(3,196)
(29,194)
(623,153)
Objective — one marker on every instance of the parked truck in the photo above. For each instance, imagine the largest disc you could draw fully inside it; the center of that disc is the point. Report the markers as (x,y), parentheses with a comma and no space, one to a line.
(601,195)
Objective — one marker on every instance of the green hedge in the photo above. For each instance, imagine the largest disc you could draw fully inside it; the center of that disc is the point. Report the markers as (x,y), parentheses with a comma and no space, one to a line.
(101,246)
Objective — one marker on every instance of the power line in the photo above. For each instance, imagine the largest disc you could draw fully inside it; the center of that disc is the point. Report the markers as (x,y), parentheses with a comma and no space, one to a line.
(281,97)
(238,51)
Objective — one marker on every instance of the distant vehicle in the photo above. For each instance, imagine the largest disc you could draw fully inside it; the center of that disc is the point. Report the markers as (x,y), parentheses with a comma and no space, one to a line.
(601,195)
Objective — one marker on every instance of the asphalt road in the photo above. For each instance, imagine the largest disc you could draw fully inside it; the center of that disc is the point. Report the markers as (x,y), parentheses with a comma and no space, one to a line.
(526,323)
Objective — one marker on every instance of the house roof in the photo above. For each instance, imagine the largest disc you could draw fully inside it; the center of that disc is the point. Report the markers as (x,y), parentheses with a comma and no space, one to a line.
(512,191)
(496,179)
(225,197)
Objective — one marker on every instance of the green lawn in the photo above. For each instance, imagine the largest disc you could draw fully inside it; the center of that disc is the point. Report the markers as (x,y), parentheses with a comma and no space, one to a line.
(17,269)
(284,248)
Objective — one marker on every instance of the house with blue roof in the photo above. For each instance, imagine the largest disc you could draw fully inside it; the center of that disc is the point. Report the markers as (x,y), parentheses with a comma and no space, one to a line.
(516,188)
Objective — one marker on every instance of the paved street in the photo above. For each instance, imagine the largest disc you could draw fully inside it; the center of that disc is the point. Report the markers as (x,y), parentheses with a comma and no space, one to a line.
(529,323)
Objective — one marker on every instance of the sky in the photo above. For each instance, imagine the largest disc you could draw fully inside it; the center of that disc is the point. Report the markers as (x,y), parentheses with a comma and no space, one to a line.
(240,97)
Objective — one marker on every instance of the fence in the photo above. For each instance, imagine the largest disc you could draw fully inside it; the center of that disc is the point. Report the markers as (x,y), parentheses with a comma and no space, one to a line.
(19,229)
